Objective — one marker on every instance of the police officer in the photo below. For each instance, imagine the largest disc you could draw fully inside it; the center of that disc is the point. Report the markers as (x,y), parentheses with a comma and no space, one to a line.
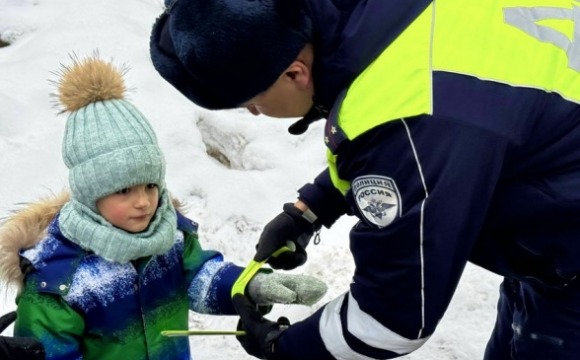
(453,132)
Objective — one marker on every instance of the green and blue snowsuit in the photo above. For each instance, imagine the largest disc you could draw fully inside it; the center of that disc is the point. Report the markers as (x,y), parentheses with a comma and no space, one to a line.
(81,306)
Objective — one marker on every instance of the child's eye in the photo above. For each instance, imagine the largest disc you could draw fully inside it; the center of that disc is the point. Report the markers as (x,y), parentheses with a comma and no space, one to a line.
(152,186)
(123,191)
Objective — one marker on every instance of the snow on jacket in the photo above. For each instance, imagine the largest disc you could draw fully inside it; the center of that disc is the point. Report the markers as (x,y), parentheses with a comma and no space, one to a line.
(458,142)
(81,306)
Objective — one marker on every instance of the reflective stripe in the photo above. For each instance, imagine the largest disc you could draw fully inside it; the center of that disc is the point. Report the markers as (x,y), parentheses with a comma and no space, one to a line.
(342,185)
(373,333)
(510,42)
(397,84)
(526,19)
(521,45)
(364,327)
(375,96)
(421,226)
(507,42)
(331,333)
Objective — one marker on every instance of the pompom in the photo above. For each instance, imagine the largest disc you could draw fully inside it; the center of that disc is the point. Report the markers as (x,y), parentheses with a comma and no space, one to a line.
(89,80)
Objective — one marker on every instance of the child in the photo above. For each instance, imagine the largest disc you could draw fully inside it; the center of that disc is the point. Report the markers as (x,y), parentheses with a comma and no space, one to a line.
(103,272)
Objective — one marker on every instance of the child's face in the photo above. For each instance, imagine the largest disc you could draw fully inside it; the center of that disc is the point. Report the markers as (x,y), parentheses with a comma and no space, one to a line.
(130,209)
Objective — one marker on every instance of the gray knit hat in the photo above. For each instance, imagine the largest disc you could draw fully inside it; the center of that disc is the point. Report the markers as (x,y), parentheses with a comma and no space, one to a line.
(108,144)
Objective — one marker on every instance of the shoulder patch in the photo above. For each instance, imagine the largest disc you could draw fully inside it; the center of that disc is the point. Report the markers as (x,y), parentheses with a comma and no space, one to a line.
(377,198)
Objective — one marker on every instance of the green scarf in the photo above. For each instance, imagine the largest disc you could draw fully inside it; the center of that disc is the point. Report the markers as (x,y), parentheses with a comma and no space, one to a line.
(91,231)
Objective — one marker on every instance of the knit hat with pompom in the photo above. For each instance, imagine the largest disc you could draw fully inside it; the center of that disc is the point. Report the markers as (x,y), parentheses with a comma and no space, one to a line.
(108,144)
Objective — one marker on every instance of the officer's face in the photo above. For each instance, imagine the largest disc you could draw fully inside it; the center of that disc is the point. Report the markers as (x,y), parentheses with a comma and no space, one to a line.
(290,96)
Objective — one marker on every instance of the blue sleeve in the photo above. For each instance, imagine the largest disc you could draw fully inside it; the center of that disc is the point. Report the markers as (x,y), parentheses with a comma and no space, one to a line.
(437,178)
(445,173)
(210,277)
(307,334)
(210,290)
(323,199)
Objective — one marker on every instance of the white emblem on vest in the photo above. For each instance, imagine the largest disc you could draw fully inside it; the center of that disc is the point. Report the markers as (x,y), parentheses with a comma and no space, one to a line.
(377,198)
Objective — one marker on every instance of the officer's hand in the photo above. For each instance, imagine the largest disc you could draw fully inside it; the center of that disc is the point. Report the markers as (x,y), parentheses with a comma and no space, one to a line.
(289,225)
(261,334)
(18,348)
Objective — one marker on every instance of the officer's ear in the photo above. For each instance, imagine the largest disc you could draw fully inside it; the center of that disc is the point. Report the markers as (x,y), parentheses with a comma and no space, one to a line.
(299,73)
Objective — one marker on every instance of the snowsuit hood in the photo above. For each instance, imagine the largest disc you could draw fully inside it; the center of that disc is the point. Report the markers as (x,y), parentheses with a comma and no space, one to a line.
(24,229)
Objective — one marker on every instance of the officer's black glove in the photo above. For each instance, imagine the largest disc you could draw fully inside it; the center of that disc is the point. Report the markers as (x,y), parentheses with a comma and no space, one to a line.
(18,348)
(261,334)
(289,225)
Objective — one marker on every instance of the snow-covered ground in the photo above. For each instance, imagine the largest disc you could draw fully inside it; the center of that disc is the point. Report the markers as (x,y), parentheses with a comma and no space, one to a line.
(234,170)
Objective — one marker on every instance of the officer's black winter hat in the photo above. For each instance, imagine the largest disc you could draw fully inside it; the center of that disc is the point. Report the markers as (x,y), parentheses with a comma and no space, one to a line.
(221,53)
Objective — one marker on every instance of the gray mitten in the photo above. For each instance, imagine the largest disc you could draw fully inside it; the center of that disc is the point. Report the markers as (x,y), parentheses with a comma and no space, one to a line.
(277,288)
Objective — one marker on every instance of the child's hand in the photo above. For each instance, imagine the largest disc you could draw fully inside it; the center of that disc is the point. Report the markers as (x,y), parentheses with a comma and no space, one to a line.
(277,288)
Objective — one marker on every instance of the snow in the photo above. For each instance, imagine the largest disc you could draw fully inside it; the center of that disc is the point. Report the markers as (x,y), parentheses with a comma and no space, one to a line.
(233,170)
